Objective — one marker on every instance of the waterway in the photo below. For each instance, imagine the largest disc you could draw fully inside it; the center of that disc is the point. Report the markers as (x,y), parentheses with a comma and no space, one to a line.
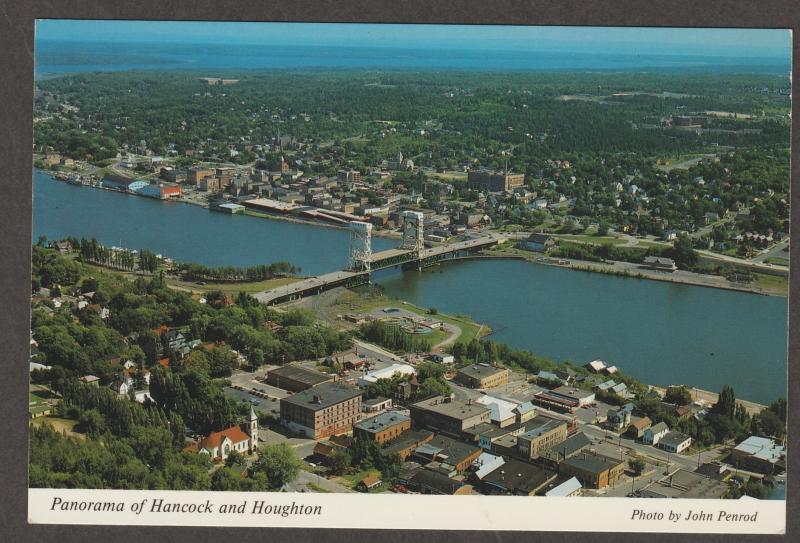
(659,332)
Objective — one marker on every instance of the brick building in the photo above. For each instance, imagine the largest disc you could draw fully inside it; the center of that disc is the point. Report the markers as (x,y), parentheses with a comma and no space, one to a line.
(322,411)
(482,376)
(382,428)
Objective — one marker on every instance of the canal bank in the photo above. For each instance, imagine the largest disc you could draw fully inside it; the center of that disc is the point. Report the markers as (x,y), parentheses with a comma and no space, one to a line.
(658,332)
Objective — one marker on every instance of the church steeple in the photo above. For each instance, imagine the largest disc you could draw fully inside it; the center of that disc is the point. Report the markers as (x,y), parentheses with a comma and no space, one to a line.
(253,429)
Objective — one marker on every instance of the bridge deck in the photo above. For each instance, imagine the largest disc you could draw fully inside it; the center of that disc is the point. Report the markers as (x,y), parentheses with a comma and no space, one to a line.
(306,284)
(319,282)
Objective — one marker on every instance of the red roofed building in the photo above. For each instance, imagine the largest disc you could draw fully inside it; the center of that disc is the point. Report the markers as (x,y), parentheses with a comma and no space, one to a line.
(219,445)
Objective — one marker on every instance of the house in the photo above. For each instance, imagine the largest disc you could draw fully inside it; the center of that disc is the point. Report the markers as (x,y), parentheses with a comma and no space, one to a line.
(540,243)
(652,435)
(595,366)
(674,442)
(446,359)
(637,426)
(369,482)
(659,263)
(91,380)
(619,418)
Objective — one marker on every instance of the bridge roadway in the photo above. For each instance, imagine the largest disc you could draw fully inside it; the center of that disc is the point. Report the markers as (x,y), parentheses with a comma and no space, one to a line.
(380,260)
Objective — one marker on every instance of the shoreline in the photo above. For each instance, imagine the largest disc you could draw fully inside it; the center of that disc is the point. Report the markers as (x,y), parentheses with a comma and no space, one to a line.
(256,215)
(635,271)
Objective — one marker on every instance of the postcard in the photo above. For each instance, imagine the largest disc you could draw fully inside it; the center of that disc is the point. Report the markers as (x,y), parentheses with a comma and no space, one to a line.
(449,277)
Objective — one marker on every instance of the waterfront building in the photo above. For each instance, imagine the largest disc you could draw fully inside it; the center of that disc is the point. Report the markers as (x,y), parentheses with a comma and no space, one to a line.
(195,175)
(659,263)
(482,376)
(760,454)
(322,411)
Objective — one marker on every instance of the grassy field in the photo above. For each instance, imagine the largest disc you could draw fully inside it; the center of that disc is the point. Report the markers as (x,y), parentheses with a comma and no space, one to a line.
(777,260)
(595,240)
(356,303)
(772,283)
(66,426)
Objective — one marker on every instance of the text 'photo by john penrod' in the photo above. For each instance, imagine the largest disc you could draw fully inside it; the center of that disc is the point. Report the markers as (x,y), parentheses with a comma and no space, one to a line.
(296,271)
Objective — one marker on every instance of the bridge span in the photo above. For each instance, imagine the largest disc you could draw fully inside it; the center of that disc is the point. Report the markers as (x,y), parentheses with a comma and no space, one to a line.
(359,273)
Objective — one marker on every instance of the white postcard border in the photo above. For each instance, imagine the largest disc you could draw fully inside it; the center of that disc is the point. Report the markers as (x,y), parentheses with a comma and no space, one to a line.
(398,511)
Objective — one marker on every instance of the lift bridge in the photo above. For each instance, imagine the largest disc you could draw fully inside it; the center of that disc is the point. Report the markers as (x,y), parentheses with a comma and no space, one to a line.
(411,254)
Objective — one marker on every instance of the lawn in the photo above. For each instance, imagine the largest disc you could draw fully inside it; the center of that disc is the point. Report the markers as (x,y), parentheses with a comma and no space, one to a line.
(774,283)
(361,304)
(67,426)
(596,240)
(352,479)
(777,260)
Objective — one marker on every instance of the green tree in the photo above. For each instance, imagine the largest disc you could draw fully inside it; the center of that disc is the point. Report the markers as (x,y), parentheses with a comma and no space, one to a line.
(279,463)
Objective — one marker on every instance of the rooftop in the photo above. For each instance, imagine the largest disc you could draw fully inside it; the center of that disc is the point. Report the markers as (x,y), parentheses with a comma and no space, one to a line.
(673,438)
(381,422)
(592,462)
(323,396)
(447,450)
(301,374)
(566,488)
(572,391)
(517,476)
(685,484)
(566,448)
(449,408)
(480,371)
(406,440)
(540,425)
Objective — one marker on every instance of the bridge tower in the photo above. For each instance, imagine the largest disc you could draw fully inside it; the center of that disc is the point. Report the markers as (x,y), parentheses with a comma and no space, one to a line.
(360,246)
(413,231)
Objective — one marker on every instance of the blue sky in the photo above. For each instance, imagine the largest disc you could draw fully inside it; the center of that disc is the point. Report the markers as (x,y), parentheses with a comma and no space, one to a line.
(775,43)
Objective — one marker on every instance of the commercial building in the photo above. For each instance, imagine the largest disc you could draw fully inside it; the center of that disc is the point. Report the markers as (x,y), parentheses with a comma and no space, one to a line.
(431,482)
(122,183)
(493,181)
(404,445)
(516,478)
(376,405)
(160,191)
(553,456)
(502,410)
(297,378)
(482,376)
(592,470)
(455,455)
(674,442)
(564,398)
(388,372)
(382,428)
(322,411)
(543,433)
(441,414)
(684,484)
